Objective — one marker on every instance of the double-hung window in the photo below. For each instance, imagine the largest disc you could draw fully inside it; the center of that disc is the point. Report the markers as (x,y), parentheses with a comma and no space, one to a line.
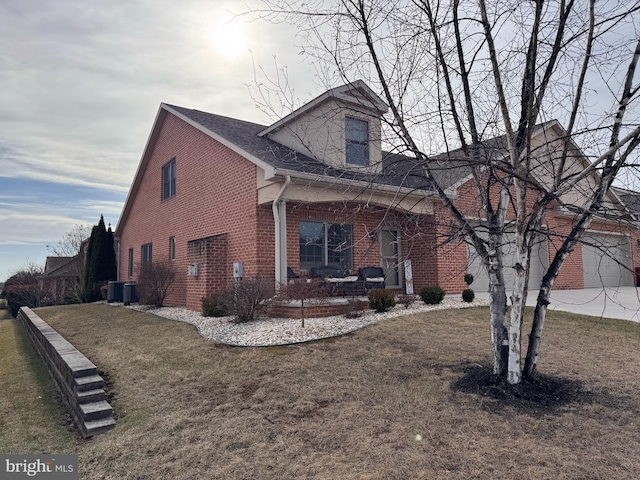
(130,265)
(172,248)
(146,254)
(357,141)
(169,179)
(324,243)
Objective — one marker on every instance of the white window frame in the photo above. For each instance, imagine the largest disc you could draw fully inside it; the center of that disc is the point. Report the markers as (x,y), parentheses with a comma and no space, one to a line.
(169,179)
(349,160)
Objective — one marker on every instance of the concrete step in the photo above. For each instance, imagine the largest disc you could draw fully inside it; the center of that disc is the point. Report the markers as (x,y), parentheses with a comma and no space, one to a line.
(95,410)
(92,382)
(95,427)
(90,396)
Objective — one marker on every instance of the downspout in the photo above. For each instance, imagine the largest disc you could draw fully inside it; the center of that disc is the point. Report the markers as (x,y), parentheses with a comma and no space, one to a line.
(278,232)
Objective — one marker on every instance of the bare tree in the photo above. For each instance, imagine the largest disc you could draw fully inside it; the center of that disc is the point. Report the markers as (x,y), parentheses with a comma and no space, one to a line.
(155,281)
(483,83)
(22,289)
(302,290)
(70,245)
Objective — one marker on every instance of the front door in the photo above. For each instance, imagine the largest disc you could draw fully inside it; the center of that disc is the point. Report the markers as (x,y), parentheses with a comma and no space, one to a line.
(390,257)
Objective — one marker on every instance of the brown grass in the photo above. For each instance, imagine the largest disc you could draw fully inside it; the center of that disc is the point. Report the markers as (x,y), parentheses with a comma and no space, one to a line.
(353,408)
(31,417)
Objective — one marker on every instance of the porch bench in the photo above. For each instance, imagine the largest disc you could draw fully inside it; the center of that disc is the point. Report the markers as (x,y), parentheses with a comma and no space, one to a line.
(337,280)
(340,282)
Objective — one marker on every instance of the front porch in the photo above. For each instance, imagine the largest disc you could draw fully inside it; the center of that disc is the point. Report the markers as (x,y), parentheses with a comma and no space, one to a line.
(317,308)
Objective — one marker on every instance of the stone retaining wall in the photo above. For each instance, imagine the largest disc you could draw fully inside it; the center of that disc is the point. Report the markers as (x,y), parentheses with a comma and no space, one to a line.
(75,376)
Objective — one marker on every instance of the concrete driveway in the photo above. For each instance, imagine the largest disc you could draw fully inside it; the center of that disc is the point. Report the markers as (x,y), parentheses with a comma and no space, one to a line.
(619,302)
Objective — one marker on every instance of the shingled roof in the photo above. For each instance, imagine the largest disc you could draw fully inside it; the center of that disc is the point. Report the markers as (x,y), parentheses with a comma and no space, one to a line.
(245,135)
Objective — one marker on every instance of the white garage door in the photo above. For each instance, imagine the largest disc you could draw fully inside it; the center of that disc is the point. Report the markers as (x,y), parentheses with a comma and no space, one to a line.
(539,262)
(605,261)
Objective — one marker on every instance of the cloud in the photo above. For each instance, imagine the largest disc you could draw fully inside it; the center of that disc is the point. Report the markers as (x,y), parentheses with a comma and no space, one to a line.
(80,87)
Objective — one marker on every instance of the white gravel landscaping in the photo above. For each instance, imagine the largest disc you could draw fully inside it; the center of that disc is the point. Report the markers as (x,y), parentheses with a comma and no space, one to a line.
(285,331)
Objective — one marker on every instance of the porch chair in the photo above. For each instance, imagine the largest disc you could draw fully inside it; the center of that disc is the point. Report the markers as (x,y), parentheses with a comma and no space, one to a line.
(372,277)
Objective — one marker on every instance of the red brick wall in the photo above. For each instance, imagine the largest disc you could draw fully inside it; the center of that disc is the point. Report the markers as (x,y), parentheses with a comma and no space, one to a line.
(452,258)
(416,242)
(215,194)
(211,255)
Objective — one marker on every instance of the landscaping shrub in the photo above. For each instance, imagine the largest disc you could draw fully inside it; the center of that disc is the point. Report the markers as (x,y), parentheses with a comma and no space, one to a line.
(156,278)
(468,295)
(249,297)
(22,290)
(302,290)
(214,306)
(355,308)
(405,300)
(381,299)
(432,295)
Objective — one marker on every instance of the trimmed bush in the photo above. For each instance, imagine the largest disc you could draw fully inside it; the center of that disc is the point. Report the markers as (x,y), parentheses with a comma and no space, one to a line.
(214,306)
(468,295)
(432,295)
(381,299)
(248,298)
(468,278)
(155,280)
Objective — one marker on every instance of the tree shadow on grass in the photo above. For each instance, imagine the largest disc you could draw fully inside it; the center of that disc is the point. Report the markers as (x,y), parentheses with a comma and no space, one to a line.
(543,395)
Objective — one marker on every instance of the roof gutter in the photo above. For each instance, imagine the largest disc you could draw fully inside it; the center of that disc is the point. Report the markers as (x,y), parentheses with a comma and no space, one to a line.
(350,182)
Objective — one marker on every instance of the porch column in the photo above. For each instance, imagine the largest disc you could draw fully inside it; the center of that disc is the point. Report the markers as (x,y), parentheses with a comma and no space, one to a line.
(280,233)
(282,207)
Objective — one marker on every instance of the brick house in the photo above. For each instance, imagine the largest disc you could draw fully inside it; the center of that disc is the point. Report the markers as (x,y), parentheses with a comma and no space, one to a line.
(61,278)
(315,188)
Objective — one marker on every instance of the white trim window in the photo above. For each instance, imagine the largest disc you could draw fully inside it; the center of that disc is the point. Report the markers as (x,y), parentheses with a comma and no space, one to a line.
(169,179)
(356,134)
(130,265)
(172,248)
(324,244)
(146,253)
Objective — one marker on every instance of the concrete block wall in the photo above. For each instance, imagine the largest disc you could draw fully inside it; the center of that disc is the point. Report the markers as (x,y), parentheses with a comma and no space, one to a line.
(75,376)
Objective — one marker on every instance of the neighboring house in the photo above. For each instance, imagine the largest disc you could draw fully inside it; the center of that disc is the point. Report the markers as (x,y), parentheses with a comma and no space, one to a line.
(605,256)
(60,278)
(312,189)
(63,277)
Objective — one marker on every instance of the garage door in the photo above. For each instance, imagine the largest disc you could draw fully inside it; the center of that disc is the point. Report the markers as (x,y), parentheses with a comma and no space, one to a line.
(539,262)
(605,261)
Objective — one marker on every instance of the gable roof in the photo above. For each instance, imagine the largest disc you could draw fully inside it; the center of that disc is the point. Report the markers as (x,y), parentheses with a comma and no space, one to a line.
(274,158)
(273,155)
(366,99)
(59,266)
(629,198)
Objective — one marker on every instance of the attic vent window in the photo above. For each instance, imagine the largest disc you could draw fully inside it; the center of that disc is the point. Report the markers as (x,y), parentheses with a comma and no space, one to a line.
(169,179)
(357,141)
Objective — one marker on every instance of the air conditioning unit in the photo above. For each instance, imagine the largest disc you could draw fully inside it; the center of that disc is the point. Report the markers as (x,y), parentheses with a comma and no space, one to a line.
(115,292)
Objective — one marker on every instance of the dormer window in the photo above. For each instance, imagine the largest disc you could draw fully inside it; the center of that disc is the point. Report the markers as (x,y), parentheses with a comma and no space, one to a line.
(357,141)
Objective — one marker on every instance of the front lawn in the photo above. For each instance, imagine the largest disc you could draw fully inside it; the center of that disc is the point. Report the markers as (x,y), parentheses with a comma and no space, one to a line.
(399,399)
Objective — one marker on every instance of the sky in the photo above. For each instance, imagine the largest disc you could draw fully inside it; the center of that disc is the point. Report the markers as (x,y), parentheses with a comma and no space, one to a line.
(80,86)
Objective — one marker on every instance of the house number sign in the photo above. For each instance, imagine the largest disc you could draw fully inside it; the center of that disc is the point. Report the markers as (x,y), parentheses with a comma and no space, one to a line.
(408,277)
